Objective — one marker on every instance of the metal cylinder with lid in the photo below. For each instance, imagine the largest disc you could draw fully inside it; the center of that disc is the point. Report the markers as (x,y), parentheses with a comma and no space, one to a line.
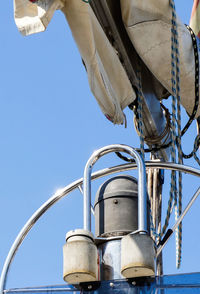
(116,207)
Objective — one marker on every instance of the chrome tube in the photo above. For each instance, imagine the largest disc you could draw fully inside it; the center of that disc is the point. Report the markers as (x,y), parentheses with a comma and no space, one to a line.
(81,190)
(142,198)
(69,188)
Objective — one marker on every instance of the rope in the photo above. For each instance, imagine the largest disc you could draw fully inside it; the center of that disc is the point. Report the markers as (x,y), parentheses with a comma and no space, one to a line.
(175,199)
(180,158)
(175,77)
(196,58)
(146,150)
(176,97)
(197,141)
(156,139)
(156,235)
(139,110)
(165,133)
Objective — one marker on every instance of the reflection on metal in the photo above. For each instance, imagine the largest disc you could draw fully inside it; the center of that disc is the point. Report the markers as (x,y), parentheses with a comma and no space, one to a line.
(180,219)
(110,260)
(81,190)
(155,184)
(142,197)
(61,193)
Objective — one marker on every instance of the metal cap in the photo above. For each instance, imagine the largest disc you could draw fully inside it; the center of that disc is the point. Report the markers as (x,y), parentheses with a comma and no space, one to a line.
(79,232)
(116,207)
(119,186)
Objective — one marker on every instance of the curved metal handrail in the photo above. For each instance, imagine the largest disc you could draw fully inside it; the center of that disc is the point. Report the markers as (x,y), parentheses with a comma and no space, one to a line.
(142,197)
(69,188)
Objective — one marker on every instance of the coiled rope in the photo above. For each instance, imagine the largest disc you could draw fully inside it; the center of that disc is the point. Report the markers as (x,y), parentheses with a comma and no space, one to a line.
(140,130)
(178,206)
(139,110)
(175,194)
(176,91)
(180,134)
(175,197)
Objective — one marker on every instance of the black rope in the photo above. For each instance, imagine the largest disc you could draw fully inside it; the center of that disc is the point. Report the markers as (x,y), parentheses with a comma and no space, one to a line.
(146,150)
(196,145)
(127,159)
(196,58)
(195,108)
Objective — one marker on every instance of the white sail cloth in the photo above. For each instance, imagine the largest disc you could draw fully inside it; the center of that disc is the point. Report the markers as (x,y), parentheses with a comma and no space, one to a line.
(107,77)
(148,24)
(31,18)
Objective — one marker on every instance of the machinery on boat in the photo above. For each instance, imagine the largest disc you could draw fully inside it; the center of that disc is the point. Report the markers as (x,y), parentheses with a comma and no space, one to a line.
(121,256)
(124,255)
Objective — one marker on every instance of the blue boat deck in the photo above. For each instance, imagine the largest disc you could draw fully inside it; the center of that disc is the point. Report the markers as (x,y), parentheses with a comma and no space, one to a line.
(183,283)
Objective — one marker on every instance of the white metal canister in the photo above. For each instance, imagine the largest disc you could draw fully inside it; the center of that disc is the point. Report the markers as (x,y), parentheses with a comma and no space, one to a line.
(137,256)
(80,256)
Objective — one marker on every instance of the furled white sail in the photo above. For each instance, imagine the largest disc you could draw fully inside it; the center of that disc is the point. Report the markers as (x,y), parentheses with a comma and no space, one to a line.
(107,77)
(148,24)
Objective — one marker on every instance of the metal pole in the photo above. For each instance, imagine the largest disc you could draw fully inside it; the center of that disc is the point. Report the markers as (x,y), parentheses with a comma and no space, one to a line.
(159,260)
(179,220)
(81,190)
(142,198)
(155,197)
(69,188)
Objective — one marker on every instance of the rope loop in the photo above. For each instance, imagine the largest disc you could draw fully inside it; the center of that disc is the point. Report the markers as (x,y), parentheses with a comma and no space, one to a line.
(175,194)
(139,111)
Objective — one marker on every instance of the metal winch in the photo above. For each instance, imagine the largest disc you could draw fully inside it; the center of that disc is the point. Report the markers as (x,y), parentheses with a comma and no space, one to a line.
(122,246)
(116,207)
(116,215)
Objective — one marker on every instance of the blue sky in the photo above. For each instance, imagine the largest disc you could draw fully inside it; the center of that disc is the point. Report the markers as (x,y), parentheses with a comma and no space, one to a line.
(49,126)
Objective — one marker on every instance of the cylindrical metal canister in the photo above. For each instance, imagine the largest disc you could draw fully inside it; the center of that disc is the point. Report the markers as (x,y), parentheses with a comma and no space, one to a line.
(116,207)
(110,260)
(137,256)
(80,257)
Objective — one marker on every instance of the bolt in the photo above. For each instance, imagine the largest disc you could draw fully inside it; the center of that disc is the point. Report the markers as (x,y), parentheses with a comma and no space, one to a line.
(115,201)
(111,285)
(89,287)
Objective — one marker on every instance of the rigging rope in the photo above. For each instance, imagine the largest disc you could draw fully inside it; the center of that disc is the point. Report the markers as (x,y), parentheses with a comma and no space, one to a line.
(196,58)
(139,110)
(175,198)
(175,76)
(197,141)
(178,206)
(176,96)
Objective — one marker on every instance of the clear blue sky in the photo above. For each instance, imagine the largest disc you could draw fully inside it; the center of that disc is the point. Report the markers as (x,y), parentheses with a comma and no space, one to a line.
(49,126)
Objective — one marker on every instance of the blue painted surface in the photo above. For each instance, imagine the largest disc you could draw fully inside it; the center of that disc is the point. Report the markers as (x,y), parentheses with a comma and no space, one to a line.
(184,283)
